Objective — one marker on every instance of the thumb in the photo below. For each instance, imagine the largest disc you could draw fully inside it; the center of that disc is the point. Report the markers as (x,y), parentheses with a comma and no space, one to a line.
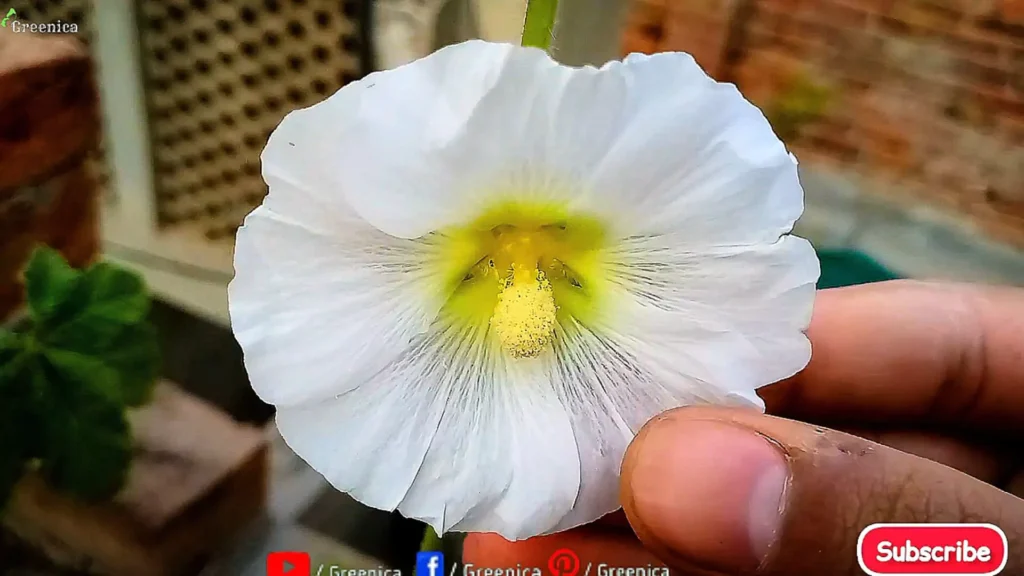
(737,492)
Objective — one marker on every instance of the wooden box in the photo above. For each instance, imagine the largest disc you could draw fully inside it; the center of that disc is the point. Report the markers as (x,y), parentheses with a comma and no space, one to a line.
(197,480)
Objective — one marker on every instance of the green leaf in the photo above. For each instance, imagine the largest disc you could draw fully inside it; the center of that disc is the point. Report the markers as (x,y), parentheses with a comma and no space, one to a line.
(76,370)
(12,376)
(105,296)
(431,542)
(135,355)
(49,280)
(65,385)
(116,294)
(11,344)
(100,337)
(122,365)
(20,420)
(88,441)
(8,339)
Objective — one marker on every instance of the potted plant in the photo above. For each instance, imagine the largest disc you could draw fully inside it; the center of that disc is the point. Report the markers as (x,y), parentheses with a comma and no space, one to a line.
(69,372)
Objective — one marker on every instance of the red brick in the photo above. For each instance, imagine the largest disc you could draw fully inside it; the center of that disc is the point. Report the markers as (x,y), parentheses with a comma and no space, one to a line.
(704,37)
(838,148)
(1004,102)
(639,42)
(645,27)
(759,37)
(990,84)
(885,126)
(1017,73)
(763,74)
(873,7)
(927,16)
(973,9)
(712,9)
(1013,129)
(846,14)
(783,6)
(832,138)
(808,154)
(804,46)
(1011,11)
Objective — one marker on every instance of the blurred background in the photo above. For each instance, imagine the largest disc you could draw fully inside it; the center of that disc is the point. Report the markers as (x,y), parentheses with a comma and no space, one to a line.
(134,134)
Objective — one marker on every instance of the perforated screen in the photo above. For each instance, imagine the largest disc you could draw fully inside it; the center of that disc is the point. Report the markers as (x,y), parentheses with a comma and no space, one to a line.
(219,77)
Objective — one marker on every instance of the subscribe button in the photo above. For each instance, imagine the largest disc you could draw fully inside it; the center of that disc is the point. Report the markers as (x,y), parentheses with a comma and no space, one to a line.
(932,550)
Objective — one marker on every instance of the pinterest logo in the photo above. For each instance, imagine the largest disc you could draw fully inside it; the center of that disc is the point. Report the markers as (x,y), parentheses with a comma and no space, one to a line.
(564,562)
(932,550)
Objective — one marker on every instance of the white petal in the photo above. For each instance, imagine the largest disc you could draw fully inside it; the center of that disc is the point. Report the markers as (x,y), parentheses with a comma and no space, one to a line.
(409,158)
(651,142)
(314,312)
(696,158)
(319,295)
(438,140)
(695,328)
(720,323)
(609,396)
(299,164)
(448,433)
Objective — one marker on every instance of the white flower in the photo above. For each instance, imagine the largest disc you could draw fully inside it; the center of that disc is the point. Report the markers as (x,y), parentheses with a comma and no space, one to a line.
(645,210)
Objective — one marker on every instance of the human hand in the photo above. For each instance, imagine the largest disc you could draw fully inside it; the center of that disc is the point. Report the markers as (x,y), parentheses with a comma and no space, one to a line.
(929,377)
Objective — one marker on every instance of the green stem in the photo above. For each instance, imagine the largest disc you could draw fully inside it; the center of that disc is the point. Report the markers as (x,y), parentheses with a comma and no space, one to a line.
(431,541)
(540,23)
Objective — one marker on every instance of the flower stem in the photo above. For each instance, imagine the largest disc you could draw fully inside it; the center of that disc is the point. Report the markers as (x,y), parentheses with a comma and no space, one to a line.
(540,23)
(431,541)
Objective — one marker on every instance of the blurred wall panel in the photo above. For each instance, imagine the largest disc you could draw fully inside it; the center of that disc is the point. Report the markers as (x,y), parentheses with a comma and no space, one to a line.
(588,30)
(190,90)
(500,20)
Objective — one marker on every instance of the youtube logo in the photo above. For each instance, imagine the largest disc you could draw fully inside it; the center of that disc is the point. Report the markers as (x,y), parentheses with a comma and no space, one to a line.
(288,564)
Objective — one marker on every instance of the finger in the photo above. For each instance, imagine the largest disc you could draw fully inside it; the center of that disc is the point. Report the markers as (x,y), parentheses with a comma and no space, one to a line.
(618,548)
(909,350)
(992,464)
(489,550)
(744,493)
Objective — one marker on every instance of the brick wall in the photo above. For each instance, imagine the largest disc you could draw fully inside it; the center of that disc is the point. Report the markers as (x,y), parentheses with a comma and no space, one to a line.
(924,97)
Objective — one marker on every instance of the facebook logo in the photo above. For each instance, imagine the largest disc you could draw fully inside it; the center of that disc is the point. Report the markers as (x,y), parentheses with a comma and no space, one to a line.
(429,564)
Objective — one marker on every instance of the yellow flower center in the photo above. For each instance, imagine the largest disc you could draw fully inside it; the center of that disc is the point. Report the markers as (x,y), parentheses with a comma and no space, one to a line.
(524,318)
(518,270)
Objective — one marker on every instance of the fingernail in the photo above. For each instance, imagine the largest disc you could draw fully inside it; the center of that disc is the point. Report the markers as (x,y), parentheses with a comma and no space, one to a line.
(710,492)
